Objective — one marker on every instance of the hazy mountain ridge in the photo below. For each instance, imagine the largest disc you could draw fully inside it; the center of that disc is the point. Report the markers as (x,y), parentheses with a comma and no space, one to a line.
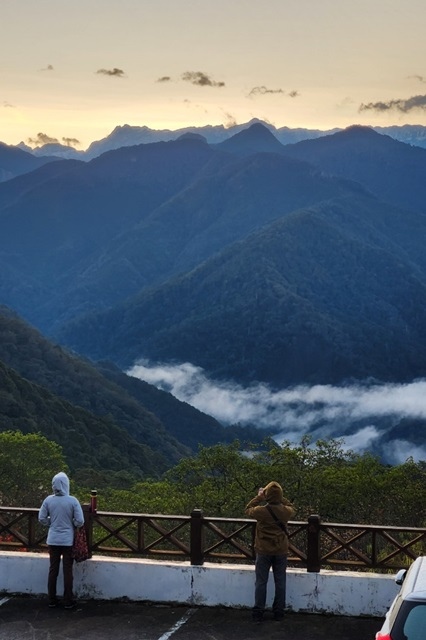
(392,170)
(211,213)
(254,312)
(257,261)
(168,222)
(130,135)
(15,161)
(51,225)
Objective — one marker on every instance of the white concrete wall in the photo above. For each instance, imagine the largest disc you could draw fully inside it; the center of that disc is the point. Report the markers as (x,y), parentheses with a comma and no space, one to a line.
(340,593)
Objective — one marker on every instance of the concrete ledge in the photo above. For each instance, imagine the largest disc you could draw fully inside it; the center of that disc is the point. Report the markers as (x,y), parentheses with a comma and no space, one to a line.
(334,592)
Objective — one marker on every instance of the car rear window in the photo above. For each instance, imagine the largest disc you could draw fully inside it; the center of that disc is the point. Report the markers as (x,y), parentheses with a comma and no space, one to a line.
(410,623)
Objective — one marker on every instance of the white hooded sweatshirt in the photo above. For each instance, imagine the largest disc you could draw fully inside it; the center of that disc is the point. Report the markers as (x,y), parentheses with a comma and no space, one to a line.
(61,513)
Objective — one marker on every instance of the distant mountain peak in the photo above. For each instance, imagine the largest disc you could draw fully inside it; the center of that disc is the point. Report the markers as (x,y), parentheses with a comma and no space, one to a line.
(359,129)
(258,130)
(366,135)
(256,138)
(192,136)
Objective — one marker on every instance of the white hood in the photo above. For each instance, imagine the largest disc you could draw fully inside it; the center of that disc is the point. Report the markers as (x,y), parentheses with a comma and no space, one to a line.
(61,484)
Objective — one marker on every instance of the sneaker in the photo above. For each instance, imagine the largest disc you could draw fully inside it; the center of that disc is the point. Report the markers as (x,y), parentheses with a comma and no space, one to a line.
(70,605)
(53,604)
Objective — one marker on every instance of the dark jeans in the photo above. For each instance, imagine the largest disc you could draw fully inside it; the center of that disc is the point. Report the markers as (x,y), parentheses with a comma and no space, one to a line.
(263,564)
(55,553)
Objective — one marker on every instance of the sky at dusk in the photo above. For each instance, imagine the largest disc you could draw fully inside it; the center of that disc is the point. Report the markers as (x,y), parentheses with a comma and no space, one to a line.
(73,71)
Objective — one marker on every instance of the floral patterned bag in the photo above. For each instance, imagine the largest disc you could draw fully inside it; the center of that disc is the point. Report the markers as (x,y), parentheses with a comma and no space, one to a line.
(80,550)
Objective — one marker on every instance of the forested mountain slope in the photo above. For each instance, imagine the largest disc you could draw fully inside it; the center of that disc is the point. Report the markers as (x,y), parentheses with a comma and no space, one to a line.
(392,170)
(104,394)
(90,443)
(323,294)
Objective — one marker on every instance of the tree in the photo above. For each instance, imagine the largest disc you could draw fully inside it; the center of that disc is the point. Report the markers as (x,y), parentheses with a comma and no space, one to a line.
(323,477)
(27,464)
(219,480)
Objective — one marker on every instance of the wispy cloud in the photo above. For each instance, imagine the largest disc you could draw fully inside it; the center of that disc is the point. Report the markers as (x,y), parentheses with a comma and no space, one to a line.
(48,68)
(263,90)
(230,120)
(421,79)
(71,142)
(362,439)
(194,105)
(200,79)
(41,139)
(325,410)
(7,105)
(115,72)
(398,451)
(346,102)
(402,105)
(164,79)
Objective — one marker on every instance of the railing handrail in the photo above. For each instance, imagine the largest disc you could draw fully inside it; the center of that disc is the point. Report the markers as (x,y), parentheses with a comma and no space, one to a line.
(130,514)
(165,516)
(197,538)
(378,527)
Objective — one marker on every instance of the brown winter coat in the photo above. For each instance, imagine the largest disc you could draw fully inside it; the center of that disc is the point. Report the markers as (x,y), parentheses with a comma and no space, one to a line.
(270,538)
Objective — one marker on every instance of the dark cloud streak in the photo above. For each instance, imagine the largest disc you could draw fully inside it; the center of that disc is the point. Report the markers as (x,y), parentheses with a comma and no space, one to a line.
(41,139)
(231,121)
(200,79)
(71,142)
(420,78)
(262,91)
(401,105)
(116,73)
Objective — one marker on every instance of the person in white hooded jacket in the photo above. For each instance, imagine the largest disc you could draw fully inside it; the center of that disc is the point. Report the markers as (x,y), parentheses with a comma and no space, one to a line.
(62,513)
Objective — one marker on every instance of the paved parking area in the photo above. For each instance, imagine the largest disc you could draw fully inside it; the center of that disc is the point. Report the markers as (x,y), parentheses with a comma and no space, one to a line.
(31,619)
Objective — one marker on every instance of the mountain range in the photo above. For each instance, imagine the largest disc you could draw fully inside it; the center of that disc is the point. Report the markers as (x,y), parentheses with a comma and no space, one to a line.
(128,136)
(258,261)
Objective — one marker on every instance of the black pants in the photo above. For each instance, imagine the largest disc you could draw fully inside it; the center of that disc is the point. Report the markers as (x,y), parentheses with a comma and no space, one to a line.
(55,553)
(278,563)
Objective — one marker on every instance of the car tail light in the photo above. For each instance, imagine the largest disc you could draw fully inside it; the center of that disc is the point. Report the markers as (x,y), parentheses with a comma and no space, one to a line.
(383,636)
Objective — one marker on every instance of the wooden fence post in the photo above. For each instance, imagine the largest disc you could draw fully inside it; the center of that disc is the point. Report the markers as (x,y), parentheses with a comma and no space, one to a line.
(88,525)
(313,554)
(93,501)
(197,537)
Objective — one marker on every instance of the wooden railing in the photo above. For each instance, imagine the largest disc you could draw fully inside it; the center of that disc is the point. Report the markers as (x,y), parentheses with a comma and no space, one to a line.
(314,545)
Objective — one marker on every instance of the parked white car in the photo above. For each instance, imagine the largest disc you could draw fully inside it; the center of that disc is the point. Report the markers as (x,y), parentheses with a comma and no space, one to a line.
(406,618)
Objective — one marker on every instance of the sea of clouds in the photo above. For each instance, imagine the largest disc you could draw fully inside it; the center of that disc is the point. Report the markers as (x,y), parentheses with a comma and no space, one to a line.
(359,413)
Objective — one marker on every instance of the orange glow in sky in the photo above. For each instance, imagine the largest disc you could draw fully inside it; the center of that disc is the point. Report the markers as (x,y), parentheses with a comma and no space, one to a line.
(75,70)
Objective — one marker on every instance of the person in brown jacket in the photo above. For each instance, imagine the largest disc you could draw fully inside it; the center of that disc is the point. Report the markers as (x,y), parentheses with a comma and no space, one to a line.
(272,512)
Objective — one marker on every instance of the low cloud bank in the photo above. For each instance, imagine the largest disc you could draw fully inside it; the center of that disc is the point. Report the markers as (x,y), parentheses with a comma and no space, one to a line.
(404,105)
(356,412)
